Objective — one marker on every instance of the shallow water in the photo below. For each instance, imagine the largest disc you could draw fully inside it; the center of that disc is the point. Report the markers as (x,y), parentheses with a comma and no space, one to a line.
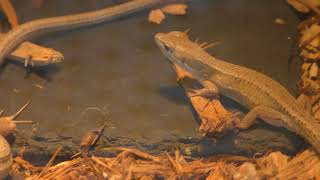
(114,72)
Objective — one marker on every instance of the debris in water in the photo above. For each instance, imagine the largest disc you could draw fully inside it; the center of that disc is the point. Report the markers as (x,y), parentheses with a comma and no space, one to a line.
(175,9)
(156,16)
(279,21)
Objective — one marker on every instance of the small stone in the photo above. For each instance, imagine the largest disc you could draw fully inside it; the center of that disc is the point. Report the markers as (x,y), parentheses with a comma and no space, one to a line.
(305,67)
(313,72)
(279,21)
(175,9)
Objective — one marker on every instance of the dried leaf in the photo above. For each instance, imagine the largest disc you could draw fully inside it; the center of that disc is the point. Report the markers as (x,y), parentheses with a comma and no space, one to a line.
(175,9)
(10,12)
(156,16)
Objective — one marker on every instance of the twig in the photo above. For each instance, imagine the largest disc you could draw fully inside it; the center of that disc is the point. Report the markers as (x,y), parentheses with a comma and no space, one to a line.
(58,172)
(95,169)
(310,39)
(310,6)
(129,175)
(50,162)
(136,152)
(105,165)
(22,122)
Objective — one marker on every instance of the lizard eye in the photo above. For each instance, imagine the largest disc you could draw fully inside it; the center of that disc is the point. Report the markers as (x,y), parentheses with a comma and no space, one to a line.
(166,47)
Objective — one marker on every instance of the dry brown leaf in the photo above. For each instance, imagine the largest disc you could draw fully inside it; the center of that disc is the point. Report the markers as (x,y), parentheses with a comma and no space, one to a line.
(156,16)
(175,9)
(10,12)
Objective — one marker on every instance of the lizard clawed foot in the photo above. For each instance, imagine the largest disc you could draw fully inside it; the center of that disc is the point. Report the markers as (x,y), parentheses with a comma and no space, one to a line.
(204,92)
(26,61)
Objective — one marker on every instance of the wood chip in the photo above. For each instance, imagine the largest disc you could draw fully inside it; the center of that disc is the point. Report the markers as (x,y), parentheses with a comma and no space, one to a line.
(156,16)
(310,36)
(175,9)
(305,165)
(313,72)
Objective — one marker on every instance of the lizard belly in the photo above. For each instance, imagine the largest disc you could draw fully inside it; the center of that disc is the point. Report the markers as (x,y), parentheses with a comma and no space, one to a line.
(247,95)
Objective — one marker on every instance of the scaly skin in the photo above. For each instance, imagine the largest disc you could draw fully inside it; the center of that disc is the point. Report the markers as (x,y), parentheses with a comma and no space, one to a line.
(39,56)
(256,91)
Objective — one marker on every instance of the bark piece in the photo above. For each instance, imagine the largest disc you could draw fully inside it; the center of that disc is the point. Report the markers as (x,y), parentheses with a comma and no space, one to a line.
(175,9)
(156,16)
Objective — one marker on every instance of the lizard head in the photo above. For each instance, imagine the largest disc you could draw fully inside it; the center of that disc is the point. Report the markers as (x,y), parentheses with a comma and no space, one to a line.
(180,50)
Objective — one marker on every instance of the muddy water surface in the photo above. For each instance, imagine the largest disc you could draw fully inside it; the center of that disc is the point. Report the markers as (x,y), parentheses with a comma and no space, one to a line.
(114,73)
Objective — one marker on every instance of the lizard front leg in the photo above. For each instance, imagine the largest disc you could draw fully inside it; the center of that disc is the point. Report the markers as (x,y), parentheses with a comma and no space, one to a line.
(210,90)
(267,114)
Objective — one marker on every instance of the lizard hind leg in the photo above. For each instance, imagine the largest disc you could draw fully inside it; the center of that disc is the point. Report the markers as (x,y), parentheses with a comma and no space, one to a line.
(305,103)
(267,114)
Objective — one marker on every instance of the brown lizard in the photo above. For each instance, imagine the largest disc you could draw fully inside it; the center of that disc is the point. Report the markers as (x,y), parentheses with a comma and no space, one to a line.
(265,98)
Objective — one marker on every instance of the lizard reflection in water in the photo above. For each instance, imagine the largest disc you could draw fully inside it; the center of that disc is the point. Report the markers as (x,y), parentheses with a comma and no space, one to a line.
(265,98)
